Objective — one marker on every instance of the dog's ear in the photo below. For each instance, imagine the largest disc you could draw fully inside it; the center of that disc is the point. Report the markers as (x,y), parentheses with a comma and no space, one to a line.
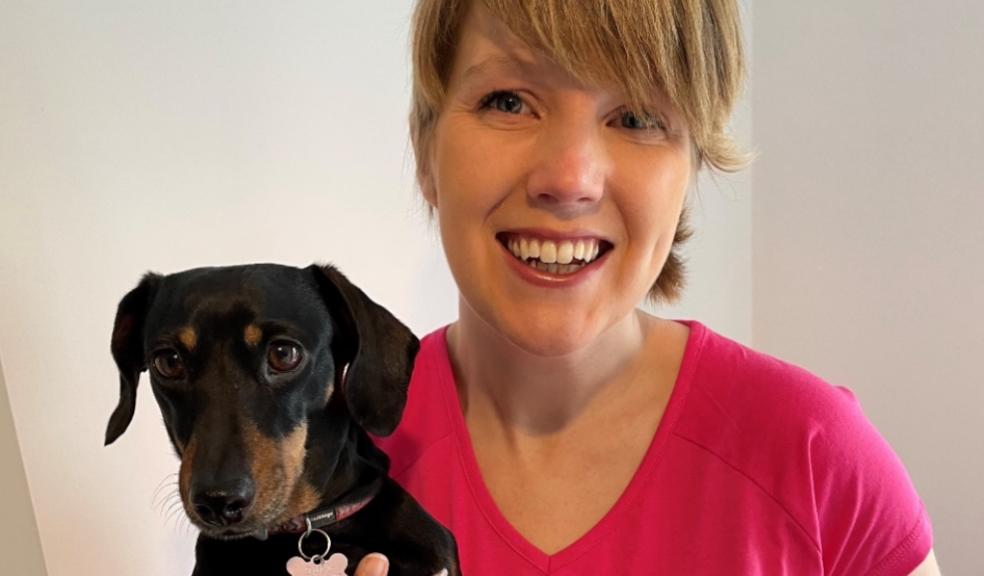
(127,347)
(378,349)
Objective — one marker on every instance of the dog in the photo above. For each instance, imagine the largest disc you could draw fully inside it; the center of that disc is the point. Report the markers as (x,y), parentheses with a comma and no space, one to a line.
(268,378)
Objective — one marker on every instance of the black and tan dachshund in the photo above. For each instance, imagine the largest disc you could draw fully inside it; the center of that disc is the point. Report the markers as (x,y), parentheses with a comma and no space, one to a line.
(268,378)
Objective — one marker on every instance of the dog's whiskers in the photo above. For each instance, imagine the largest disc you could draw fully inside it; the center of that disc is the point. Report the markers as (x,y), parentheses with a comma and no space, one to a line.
(169,481)
(168,503)
(161,498)
(174,506)
(172,509)
(179,519)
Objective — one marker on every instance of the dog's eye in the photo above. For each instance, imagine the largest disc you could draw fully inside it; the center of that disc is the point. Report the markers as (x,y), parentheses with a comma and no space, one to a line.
(284,356)
(168,364)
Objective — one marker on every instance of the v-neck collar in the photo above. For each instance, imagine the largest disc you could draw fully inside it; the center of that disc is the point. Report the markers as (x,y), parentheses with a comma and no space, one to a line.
(602,529)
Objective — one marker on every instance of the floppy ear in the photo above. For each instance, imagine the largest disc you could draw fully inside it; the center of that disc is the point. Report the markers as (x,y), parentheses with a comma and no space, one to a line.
(378,349)
(127,347)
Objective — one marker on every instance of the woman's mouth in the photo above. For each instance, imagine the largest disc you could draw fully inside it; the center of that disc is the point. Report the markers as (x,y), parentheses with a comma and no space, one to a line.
(560,257)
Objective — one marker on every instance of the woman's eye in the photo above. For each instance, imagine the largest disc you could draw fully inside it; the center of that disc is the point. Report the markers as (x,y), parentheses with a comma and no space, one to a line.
(284,356)
(640,121)
(169,365)
(503,101)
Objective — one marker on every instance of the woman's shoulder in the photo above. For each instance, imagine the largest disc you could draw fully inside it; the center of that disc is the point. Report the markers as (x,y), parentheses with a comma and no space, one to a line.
(779,424)
(764,412)
(804,442)
(750,390)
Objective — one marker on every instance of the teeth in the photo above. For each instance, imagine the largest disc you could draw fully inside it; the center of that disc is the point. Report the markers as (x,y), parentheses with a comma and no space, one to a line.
(579,250)
(555,268)
(565,252)
(548,252)
(562,257)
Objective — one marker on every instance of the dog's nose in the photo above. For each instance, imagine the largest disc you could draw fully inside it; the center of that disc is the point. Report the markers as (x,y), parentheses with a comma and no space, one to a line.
(223,504)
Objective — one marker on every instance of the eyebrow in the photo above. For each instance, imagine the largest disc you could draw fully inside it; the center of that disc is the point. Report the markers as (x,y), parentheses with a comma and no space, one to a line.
(503,62)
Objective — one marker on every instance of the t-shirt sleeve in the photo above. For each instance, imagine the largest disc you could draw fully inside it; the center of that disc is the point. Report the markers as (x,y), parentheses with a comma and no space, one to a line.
(870,519)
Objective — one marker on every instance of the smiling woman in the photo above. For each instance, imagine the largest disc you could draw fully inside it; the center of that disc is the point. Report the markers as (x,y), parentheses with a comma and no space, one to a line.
(631,46)
(553,421)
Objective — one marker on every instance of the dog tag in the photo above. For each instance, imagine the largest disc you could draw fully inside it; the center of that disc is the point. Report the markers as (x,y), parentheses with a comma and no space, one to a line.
(335,565)
(305,565)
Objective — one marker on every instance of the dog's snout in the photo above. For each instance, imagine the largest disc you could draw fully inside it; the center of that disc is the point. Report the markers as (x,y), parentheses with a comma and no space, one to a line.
(224,504)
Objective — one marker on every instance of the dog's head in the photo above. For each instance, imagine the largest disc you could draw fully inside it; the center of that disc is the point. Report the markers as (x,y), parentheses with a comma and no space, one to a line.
(245,363)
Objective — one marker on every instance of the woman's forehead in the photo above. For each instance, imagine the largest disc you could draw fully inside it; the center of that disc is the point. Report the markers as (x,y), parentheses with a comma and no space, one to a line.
(487,45)
(490,55)
(487,48)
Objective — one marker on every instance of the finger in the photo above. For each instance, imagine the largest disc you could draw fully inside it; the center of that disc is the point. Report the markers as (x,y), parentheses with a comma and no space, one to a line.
(373,565)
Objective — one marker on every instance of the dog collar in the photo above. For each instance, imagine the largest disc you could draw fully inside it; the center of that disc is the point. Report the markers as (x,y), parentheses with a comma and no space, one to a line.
(327,516)
(321,517)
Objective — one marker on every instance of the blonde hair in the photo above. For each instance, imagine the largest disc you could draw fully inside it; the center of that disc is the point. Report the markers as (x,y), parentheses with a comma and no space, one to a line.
(690,50)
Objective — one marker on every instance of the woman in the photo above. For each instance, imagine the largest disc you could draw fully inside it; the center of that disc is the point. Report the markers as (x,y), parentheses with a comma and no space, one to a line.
(555,428)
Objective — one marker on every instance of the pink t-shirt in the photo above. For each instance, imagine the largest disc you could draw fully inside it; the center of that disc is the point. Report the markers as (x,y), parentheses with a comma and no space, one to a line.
(757,467)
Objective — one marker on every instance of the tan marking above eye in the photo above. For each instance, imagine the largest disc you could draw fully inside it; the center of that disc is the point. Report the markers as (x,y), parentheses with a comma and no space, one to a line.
(189,338)
(252,335)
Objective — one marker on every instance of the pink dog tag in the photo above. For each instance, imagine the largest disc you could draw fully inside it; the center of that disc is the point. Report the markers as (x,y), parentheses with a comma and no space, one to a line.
(333,566)
(305,565)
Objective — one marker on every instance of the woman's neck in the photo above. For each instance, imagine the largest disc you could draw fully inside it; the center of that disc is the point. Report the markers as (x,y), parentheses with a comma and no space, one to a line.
(504,386)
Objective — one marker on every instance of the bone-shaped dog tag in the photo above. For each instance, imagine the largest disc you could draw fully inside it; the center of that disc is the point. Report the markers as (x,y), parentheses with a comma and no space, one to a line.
(335,565)
(305,565)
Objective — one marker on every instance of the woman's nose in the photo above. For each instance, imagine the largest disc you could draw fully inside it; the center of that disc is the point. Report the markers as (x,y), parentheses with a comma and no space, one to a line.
(570,167)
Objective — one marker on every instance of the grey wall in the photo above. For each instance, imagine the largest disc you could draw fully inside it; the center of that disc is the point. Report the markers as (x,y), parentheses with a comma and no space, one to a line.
(20,547)
(868,227)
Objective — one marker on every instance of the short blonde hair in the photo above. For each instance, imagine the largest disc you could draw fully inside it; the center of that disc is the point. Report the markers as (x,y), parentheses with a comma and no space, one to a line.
(691,50)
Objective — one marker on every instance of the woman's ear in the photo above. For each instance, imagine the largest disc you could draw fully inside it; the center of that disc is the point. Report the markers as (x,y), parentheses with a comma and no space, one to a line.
(426,183)
(425,170)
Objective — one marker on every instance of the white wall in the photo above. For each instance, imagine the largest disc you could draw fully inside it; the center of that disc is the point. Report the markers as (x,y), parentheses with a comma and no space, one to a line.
(20,546)
(162,136)
(869,228)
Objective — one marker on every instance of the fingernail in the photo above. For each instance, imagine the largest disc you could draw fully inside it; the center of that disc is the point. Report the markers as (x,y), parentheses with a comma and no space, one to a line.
(376,565)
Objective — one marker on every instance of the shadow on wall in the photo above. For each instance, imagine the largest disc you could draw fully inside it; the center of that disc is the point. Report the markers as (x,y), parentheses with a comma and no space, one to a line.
(20,546)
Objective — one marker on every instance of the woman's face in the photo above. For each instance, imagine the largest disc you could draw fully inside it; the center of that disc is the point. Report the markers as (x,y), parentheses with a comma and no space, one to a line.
(557,204)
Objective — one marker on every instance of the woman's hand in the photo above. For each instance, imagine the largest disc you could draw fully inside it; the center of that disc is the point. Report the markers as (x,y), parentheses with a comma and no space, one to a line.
(373,565)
